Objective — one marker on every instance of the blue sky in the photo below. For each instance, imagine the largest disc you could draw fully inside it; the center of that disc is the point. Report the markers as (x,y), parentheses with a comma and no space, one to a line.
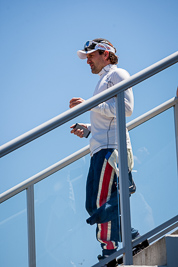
(40,73)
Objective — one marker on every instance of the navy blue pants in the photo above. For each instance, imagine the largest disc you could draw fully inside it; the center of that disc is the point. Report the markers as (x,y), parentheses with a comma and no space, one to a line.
(102,201)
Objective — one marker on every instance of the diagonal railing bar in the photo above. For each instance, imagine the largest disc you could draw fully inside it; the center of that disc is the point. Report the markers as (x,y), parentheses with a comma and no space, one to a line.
(152,113)
(82,152)
(87,105)
(163,232)
(44,173)
(155,231)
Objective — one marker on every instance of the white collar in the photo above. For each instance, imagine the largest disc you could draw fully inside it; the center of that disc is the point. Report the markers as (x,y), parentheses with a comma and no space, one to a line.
(106,69)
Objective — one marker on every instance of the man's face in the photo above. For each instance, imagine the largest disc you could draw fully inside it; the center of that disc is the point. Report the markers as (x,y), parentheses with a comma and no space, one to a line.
(96,61)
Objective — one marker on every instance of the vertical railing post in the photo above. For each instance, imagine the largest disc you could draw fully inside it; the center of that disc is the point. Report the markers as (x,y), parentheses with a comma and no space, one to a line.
(123,179)
(176,125)
(31,226)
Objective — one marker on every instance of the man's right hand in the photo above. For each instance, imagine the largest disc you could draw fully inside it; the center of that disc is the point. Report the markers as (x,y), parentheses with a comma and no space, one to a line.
(77,132)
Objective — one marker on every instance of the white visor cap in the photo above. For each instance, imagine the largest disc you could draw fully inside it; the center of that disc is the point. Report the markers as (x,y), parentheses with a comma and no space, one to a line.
(82,54)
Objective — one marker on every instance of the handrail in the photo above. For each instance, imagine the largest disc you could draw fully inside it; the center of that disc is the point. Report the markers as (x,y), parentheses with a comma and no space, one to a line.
(44,174)
(87,105)
(118,91)
(152,113)
(82,152)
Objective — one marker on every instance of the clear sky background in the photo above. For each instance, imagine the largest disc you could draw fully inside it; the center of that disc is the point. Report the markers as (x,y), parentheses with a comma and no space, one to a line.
(39,73)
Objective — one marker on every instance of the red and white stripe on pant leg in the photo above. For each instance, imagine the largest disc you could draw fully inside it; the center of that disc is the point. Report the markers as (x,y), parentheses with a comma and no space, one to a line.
(104,193)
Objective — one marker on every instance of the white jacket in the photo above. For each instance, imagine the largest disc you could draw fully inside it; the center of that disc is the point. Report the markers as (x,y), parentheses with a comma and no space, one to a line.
(102,117)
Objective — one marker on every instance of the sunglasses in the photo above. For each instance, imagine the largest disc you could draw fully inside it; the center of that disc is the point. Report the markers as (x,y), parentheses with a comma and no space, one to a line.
(90,44)
(102,46)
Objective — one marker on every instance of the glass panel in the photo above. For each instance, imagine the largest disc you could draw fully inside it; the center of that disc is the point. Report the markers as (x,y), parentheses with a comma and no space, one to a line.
(13,232)
(155,172)
(39,154)
(63,237)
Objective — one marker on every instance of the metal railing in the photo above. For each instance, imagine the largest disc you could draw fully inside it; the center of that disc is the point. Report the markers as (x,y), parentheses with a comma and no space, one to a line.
(69,115)
(88,104)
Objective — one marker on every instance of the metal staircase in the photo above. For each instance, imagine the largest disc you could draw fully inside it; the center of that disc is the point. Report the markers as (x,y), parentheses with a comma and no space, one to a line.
(28,185)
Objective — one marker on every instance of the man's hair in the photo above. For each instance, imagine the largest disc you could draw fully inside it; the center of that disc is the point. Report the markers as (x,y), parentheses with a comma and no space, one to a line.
(112,57)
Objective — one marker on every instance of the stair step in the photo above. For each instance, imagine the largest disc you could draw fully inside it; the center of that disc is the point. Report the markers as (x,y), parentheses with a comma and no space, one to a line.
(161,253)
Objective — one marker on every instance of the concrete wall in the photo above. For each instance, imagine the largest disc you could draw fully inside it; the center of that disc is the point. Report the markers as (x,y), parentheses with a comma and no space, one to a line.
(162,252)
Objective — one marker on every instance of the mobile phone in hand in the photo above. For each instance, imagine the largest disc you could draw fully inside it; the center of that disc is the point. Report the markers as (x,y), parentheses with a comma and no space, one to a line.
(86,132)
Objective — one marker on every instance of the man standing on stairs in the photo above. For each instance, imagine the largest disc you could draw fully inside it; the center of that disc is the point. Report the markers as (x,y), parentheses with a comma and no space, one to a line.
(101,188)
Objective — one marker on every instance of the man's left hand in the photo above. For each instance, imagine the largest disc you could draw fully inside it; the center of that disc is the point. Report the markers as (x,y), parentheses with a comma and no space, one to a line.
(75,101)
